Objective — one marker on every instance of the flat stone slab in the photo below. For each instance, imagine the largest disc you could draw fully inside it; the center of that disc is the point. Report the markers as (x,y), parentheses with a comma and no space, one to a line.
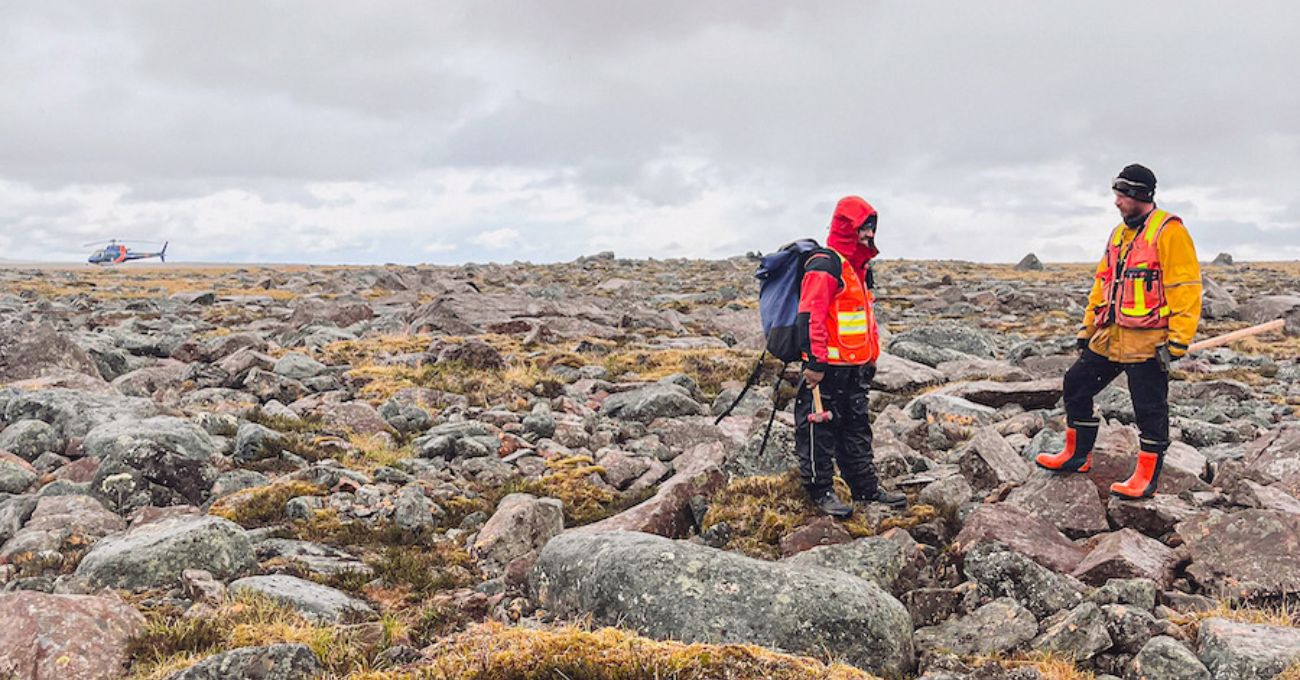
(1245,651)
(315,601)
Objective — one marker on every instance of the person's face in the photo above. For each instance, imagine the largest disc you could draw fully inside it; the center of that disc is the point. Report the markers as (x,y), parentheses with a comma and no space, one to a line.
(866,232)
(1129,207)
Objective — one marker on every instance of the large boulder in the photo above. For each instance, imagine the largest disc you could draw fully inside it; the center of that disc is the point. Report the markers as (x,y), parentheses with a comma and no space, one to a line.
(159,461)
(668,513)
(65,637)
(274,662)
(57,521)
(1265,308)
(674,590)
(949,335)
(521,525)
(1069,502)
(661,400)
(72,413)
(35,350)
(29,439)
(1021,532)
(1245,651)
(317,602)
(154,555)
(1277,455)
(1251,553)
(1155,516)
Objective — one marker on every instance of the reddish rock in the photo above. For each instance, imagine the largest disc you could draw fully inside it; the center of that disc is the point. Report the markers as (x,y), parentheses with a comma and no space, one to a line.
(1247,554)
(1022,532)
(1155,516)
(521,526)
(80,471)
(1277,454)
(37,350)
(668,513)
(823,531)
(1115,456)
(1031,394)
(1068,501)
(65,637)
(60,519)
(1127,554)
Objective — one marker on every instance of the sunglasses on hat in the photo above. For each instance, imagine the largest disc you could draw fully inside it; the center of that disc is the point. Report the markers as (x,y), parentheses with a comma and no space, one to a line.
(1130,188)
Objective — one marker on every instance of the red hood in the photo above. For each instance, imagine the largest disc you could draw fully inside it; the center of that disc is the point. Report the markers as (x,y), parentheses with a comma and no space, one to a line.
(850,213)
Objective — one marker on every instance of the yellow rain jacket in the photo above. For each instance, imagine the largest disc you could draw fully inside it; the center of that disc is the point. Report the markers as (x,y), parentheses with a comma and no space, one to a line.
(1182,283)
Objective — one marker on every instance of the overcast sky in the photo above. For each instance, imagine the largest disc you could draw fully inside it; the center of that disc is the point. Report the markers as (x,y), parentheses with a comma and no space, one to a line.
(350,132)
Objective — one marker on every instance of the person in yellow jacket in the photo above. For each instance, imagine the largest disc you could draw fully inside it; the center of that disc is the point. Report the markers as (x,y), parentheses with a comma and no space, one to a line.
(1142,313)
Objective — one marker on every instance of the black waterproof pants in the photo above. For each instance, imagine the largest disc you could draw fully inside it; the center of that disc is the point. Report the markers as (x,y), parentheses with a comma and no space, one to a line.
(1148,385)
(844,440)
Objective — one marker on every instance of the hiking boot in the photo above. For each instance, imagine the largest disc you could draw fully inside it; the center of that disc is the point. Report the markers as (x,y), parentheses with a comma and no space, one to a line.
(1077,456)
(831,504)
(1146,475)
(892,499)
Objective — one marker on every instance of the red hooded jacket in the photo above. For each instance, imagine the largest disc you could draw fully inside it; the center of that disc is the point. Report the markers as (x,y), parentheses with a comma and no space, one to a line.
(821,281)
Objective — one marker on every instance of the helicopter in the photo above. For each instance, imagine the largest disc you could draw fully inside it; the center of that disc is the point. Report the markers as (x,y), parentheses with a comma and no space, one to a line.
(117,253)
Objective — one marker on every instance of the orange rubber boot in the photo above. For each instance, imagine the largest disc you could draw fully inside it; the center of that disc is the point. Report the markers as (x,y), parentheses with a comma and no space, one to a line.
(1144,480)
(1077,456)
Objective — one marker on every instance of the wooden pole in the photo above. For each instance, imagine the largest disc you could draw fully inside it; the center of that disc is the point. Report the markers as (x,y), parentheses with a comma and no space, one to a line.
(1219,340)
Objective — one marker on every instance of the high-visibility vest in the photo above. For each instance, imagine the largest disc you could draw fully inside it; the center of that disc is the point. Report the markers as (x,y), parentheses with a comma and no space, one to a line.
(1133,281)
(852,337)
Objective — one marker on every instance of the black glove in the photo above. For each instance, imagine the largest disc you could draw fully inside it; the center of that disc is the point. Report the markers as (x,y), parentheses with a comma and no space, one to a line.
(1164,357)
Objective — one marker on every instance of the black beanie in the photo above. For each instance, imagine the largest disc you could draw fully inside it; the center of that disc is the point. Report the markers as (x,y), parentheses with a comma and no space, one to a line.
(1136,181)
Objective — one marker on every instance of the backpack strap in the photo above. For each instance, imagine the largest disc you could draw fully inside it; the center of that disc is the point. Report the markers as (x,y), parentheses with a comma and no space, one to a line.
(825,260)
(753,378)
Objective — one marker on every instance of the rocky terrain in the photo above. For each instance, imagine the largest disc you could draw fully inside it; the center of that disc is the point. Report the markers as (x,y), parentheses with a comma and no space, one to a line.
(510,471)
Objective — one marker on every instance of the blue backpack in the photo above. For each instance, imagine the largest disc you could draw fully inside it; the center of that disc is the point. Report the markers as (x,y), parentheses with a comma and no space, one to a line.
(780,276)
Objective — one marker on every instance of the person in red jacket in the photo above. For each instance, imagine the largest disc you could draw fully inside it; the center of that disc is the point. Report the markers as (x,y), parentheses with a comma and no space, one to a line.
(840,344)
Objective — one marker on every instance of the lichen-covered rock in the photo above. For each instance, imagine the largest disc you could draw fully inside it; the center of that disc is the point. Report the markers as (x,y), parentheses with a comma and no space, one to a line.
(999,626)
(154,555)
(273,662)
(1246,651)
(65,637)
(645,404)
(1247,554)
(57,519)
(315,601)
(1077,634)
(668,513)
(28,439)
(682,591)
(1164,658)
(74,413)
(1002,572)
(875,558)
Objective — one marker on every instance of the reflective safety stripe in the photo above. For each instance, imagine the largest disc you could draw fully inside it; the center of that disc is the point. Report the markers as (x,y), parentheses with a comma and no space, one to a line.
(1139,307)
(832,352)
(853,323)
(1117,237)
(1154,222)
(1165,311)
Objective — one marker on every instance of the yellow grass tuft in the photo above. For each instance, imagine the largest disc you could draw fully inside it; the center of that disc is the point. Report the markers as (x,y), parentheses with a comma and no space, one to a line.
(263,505)
(761,510)
(569,481)
(492,651)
